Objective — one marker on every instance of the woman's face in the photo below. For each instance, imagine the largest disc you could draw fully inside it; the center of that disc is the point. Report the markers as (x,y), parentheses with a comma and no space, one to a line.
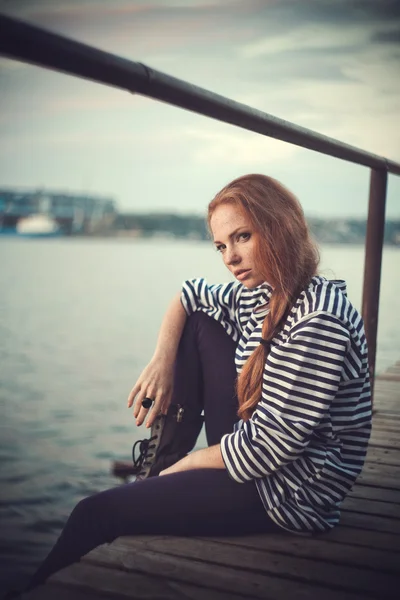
(235,238)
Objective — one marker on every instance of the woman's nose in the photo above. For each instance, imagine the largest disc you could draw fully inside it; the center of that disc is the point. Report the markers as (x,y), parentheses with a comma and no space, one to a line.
(232,257)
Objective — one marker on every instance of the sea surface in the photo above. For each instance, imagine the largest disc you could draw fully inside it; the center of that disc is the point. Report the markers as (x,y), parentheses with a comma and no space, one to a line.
(78,323)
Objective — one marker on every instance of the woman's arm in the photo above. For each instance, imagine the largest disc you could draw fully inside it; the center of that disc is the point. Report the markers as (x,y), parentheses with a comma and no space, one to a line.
(207,458)
(156,380)
(170,332)
(301,380)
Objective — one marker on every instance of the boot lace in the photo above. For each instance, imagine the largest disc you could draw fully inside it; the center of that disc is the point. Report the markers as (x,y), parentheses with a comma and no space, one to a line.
(144,453)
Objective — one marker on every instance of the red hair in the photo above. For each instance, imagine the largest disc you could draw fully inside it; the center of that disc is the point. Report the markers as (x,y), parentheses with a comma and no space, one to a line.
(286,256)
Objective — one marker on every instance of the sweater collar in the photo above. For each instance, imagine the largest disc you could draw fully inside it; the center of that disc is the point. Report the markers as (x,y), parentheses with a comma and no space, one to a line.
(339,283)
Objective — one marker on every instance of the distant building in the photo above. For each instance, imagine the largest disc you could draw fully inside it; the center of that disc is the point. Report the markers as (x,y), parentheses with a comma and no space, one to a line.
(73,213)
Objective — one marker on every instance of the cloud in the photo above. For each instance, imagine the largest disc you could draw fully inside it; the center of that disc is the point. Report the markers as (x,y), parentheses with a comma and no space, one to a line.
(391,36)
(344,12)
(209,146)
(87,134)
(103,101)
(317,37)
(7,64)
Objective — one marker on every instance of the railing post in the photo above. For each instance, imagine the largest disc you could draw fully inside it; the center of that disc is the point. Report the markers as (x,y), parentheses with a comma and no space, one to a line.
(373,262)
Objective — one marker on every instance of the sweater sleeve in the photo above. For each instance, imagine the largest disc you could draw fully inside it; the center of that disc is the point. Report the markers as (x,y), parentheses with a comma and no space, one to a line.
(301,379)
(220,301)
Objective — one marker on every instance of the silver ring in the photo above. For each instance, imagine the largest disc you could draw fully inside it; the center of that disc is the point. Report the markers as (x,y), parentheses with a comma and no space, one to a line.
(147,402)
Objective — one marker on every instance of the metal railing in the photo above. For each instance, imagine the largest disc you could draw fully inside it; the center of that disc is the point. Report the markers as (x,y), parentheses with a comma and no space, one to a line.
(32,44)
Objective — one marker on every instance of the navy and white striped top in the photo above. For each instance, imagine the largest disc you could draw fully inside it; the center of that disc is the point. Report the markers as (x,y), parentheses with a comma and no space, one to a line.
(305,443)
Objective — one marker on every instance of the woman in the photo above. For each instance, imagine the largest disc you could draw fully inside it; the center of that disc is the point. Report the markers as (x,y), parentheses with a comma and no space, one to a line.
(284,452)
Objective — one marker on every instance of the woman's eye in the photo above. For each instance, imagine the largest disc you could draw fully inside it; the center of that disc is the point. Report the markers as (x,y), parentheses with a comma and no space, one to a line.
(244,236)
(220,248)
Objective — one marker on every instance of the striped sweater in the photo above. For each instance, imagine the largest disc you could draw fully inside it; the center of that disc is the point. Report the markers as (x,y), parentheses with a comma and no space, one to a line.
(305,444)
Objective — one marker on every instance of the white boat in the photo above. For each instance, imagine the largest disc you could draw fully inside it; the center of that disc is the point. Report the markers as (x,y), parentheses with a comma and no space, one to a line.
(38,226)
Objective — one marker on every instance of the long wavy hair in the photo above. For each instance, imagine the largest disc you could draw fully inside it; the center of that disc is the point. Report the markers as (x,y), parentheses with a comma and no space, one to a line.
(286,256)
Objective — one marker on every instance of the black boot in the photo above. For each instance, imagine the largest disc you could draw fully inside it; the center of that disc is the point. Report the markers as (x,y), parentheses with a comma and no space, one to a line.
(172,436)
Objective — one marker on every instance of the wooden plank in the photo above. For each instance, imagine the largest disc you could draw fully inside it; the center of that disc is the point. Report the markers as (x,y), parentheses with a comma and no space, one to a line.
(385,398)
(395,365)
(392,471)
(361,537)
(384,476)
(389,414)
(377,414)
(121,584)
(372,507)
(320,548)
(388,423)
(374,493)
(371,522)
(387,408)
(57,592)
(386,404)
(383,393)
(312,570)
(386,456)
(343,534)
(382,482)
(235,571)
(387,385)
(390,377)
(386,431)
(380,428)
(380,378)
(385,423)
(378,417)
(384,439)
(394,369)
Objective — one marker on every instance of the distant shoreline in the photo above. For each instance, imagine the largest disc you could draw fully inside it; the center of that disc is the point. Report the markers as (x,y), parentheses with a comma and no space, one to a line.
(124,236)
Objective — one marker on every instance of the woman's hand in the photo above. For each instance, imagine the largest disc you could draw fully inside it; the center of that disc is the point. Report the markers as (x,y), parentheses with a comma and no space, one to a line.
(155,382)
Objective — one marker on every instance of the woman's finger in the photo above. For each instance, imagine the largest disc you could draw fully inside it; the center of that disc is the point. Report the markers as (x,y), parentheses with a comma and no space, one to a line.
(133,393)
(155,409)
(166,401)
(138,402)
(139,408)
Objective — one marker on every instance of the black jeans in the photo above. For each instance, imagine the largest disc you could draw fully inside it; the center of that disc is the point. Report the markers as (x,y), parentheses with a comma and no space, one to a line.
(197,502)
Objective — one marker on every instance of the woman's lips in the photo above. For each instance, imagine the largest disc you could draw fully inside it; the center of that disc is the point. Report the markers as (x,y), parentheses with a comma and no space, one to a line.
(243,274)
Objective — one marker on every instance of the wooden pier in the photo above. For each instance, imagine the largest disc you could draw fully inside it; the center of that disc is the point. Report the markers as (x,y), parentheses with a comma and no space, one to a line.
(359,559)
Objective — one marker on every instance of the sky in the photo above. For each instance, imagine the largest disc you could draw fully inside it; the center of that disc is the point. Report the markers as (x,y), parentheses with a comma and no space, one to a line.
(332,66)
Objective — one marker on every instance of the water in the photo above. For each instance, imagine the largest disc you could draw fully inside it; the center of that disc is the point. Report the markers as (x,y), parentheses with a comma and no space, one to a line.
(78,322)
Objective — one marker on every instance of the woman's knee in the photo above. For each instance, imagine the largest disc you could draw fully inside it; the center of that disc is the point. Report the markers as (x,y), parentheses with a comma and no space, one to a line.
(92,507)
(196,318)
(200,316)
(209,328)
(96,518)
(82,510)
